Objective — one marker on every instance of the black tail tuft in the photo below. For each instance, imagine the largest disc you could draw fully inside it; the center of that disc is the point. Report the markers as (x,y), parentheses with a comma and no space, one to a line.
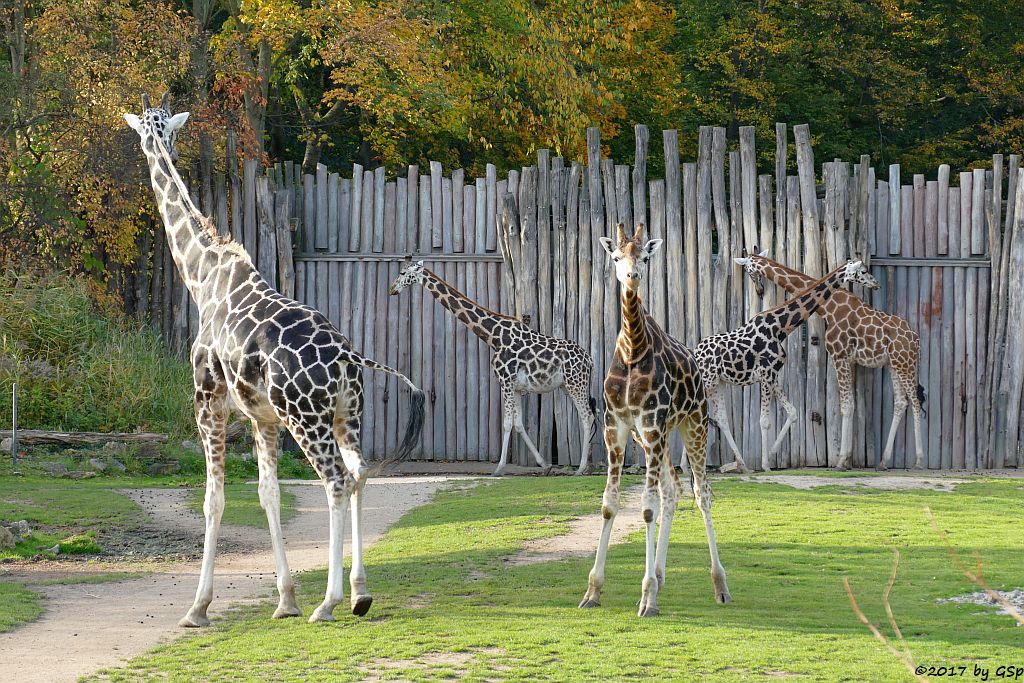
(593,410)
(412,433)
(921,398)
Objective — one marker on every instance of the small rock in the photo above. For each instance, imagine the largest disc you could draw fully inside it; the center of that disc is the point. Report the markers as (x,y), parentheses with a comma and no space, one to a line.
(97,464)
(7,539)
(19,529)
(118,465)
(192,446)
(115,447)
(55,549)
(5,445)
(78,474)
(56,469)
(729,467)
(148,451)
(160,468)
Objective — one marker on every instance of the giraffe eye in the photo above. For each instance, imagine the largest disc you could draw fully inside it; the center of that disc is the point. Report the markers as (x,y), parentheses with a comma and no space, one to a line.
(615,258)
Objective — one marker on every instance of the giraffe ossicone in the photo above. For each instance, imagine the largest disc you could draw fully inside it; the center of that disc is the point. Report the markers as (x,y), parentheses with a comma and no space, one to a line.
(652,388)
(523,360)
(276,362)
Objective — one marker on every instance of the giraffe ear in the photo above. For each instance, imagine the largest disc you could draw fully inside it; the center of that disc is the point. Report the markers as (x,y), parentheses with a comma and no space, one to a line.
(419,263)
(652,246)
(176,121)
(764,254)
(742,261)
(606,242)
(135,122)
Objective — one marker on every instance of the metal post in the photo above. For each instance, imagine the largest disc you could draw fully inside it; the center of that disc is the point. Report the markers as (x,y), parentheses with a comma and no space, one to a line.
(14,425)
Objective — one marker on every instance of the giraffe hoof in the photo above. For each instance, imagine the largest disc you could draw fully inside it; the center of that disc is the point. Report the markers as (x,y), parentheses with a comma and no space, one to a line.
(723,597)
(881,467)
(191,620)
(589,603)
(320,615)
(648,612)
(283,612)
(362,605)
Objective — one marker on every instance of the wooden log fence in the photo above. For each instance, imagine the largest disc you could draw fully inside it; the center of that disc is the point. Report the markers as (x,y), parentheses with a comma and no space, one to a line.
(947,249)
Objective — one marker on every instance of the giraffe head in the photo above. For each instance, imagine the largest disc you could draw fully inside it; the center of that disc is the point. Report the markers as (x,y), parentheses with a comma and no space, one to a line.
(630,255)
(413,275)
(858,273)
(158,123)
(754,267)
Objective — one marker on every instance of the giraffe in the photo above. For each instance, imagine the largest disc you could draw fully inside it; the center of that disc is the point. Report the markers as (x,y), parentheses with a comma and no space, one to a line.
(524,361)
(857,334)
(756,352)
(275,361)
(653,386)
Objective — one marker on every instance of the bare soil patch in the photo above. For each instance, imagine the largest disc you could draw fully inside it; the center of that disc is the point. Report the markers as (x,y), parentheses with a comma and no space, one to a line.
(378,669)
(981,598)
(581,538)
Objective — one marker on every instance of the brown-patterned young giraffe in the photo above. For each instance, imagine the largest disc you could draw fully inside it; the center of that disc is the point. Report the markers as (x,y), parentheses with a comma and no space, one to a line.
(524,361)
(857,334)
(755,352)
(277,362)
(653,387)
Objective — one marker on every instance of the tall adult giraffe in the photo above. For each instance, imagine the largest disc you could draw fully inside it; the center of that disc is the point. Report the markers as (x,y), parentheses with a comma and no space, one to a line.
(524,361)
(857,334)
(653,387)
(278,362)
(755,352)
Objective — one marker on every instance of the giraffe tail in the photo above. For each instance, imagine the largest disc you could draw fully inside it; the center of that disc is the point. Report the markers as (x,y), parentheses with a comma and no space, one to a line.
(415,425)
(921,398)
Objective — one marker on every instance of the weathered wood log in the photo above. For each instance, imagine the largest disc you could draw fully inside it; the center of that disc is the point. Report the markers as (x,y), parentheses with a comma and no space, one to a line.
(42,436)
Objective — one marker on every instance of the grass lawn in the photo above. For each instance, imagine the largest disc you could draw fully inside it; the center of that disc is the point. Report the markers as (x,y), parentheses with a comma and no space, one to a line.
(20,605)
(242,505)
(448,606)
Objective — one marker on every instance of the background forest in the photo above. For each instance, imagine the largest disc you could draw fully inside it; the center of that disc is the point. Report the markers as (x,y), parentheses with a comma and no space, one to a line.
(468,83)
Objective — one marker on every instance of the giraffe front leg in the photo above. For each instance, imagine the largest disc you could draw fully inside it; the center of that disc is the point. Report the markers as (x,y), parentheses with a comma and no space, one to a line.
(766,423)
(615,437)
(211,417)
(791,414)
(526,439)
(651,511)
(508,421)
(844,380)
(266,437)
(716,402)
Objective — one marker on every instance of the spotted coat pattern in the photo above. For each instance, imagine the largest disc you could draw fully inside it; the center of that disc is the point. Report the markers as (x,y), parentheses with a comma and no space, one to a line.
(756,352)
(857,334)
(653,387)
(524,360)
(273,360)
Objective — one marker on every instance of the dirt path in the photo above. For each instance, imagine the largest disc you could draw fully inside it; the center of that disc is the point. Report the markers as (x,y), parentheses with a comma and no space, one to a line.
(91,626)
(583,534)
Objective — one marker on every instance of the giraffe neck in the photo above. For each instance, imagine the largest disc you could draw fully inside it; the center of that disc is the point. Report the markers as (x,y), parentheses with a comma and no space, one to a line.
(192,246)
(633,341)
(809,299)
(481,321)
(787,278)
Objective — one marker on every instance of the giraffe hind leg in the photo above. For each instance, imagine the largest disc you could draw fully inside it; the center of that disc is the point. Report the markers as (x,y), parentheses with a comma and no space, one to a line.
(695,434)
(578,392)
(266,438)
(715,400)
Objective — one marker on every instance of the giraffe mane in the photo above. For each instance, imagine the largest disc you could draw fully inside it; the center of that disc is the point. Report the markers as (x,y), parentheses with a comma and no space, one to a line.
(206,223)
(803,291)
(463,295)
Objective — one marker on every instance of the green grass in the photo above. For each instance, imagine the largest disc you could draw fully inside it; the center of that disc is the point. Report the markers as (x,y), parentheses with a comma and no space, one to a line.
(441,586)
(82,366)
(242,505)
(20,605)
(65,512)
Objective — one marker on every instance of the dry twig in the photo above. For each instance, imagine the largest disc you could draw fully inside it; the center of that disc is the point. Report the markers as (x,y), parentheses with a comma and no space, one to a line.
(975,576)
